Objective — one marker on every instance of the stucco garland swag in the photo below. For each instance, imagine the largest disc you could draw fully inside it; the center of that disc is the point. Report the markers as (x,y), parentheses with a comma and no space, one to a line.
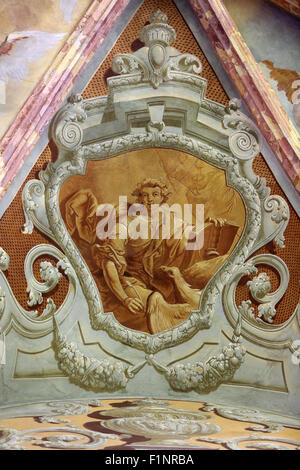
(97,375)
(204,377)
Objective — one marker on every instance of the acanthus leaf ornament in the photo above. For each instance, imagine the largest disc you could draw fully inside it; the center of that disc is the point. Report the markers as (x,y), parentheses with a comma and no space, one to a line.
(28,323)
(33,202)
(267,312)
(260,287)
(246,310)
(66,437)
(99,320)
(160,67)
(184,63)
(49,274)
(4,260)
(266,422)
(155,62)
(124,64)
(280,214)
(49,309)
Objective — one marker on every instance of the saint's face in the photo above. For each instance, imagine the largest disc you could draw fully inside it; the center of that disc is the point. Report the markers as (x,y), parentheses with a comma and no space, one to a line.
(151,195)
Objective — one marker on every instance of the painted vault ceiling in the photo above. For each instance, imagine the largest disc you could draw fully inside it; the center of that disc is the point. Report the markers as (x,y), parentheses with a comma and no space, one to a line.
(31,35)
(119,423)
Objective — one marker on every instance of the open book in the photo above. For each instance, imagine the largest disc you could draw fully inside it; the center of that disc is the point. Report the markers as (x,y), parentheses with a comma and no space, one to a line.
(217,240)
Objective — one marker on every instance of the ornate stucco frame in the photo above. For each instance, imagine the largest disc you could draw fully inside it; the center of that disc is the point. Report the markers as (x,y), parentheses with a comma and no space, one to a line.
(228,141)
(157,101)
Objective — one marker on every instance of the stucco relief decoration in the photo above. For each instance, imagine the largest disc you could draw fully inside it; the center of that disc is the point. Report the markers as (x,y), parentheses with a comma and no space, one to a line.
(171,146)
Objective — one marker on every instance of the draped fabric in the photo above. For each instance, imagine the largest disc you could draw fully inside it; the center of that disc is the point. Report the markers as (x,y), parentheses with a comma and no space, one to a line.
(138,263)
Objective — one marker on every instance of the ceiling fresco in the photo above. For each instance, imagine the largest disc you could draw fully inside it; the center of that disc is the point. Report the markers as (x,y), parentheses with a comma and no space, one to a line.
(183,183)
(95,298)
(278,55)
(145,424)
(39,43)
(31,35)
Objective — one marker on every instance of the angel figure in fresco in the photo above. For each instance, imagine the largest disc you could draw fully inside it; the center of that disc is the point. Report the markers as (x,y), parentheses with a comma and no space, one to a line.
(150,283)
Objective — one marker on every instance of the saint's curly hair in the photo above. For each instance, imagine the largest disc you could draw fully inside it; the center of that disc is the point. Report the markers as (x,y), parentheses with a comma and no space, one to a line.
(152,183)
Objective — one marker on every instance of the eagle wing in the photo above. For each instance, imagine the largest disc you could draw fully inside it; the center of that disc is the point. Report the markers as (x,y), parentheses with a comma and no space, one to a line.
(21,48)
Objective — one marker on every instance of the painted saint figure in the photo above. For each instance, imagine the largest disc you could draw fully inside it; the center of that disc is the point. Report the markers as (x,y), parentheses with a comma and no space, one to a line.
(144,281)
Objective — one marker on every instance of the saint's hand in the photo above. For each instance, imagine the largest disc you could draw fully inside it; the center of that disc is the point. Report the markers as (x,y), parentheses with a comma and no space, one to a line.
(134,304)
(218,222)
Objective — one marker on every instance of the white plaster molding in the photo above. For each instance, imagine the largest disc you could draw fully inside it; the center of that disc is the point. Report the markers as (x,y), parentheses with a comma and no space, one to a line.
(157,87)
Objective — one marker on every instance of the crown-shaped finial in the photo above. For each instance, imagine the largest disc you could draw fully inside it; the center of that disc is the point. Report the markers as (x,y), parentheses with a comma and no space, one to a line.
(158,31)
(158,16)
(157,62)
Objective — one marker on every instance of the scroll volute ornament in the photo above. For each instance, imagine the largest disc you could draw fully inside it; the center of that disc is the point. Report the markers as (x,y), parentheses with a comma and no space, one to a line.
(68,133)
(246,142)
